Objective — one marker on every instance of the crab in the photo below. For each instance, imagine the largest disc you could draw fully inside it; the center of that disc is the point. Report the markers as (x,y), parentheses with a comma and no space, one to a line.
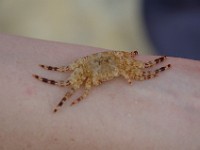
(93,70)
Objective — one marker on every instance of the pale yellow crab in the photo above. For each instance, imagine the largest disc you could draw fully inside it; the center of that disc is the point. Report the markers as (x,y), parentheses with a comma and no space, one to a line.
(94,69)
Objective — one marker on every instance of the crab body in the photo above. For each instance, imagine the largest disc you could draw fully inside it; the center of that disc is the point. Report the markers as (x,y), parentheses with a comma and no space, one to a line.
(97,68)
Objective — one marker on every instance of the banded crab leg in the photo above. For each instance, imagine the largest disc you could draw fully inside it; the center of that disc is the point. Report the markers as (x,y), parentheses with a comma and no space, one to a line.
(145,75)
(66,97)
(84,95)
(53,82)
(88,85)
(59,69)
(154,62)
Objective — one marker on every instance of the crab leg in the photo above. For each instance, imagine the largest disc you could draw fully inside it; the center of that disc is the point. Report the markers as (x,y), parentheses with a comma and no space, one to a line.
(53,82)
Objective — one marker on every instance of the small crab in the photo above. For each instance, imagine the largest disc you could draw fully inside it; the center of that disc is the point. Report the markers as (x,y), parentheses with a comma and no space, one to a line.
(94,69)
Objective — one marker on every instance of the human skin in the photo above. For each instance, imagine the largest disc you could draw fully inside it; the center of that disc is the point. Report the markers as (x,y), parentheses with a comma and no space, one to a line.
(161,113)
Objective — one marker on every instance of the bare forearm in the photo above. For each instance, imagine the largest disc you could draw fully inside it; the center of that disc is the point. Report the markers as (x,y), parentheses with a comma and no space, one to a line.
(162,113)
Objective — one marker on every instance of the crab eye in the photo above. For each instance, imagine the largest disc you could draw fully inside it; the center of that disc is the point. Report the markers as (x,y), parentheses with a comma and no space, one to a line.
(134,53)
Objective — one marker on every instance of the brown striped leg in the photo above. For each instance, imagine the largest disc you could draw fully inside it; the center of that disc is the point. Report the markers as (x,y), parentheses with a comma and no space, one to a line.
(162,68)
(134,53)
(88,85)
(66,97)
(53,82)
(86,92)
(59,69)
(154,62)
(145,75)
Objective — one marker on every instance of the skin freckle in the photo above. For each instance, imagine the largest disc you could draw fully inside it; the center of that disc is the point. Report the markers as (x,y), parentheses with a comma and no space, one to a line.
(30,91)
(72,139)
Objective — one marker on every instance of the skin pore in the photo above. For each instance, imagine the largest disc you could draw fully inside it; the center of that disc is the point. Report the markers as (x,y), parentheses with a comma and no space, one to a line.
(161,113)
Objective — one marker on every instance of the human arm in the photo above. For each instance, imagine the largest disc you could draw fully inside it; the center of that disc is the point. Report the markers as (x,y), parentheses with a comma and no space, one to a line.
(161,113)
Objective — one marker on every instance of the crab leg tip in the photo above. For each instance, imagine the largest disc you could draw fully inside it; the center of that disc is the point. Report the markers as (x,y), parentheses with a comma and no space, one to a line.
(35,76)
(41,65)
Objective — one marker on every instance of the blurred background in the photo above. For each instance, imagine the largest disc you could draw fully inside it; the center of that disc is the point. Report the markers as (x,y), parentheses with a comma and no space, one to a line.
(163,27)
